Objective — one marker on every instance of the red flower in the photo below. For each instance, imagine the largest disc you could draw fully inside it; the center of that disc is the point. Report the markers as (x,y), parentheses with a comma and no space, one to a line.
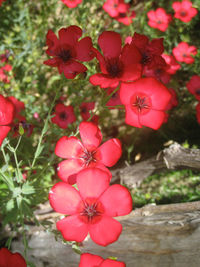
(9,259)
(72,3)
(145,101)
(90,260)
(193,86)
(126,18)
(114,100)
(172,64)
(67,51)
(4,57)
(184,10)
(159,19)
(183,53)
(6,117)
(91,208)
(85,107)
(64,115)
(115,7)
(80,155)
(159,72)
(150,51)
(198,112)
(118,64)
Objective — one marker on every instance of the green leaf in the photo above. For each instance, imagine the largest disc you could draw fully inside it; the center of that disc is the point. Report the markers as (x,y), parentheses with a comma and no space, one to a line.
(27,189)
(10,205)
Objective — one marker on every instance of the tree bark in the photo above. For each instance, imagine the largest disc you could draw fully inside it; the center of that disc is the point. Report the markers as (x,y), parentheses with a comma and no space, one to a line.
(174,157)
(153,236)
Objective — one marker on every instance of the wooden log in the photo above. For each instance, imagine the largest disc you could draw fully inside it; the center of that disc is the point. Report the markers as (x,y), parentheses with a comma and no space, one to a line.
(173,157)
(161,236)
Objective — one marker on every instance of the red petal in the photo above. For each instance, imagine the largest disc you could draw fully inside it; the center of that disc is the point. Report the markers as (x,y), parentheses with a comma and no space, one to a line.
(5,254)
(64,198)
(112,263)
(92,182)
(6,111)
(131,117)
(117,201)
(110,43)
(126,92)
(110,152)
(16,260)
(90,134)
(84,49)
(101,60)
(152,119)
(53,62)
(72,68)
(106,231)
(68,168)
(89,260)
(51,42)
(70,35)
(72,228)
(103,80)
(4,130)
(68,147)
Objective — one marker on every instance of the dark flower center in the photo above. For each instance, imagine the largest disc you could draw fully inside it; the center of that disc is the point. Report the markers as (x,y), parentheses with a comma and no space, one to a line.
(114,68)
(65,55)
(140,103)
(183,13)
(145,59)
(159,22)
(91,210)
(88,157)
(122,15)
(84,110)
(63,116)
(198,91)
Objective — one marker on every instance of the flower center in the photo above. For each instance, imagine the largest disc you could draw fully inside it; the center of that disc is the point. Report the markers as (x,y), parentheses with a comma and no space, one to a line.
(198,91)
(64,54)
(140,103)
(90,210)
(114,68)
(145,59)
(183,13)
(63,116)
(88,157)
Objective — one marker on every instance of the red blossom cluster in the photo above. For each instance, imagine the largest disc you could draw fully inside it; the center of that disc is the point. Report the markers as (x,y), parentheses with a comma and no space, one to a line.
(90,260)
(160,20)
(6,68)
(120,11)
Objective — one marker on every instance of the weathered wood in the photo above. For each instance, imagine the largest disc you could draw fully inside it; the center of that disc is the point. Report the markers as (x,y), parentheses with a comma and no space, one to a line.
(173,157)
(153,236)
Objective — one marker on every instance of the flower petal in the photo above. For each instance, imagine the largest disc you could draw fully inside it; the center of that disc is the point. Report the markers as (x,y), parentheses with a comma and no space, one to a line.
(70,35)
(90,135)
(92,182)
(68,147)
(110,43)
(4,130)
(16,260)
(103,80)
(131,117)
(110,152)
(106,231)
(67,169)
(89,260)
(112,263)
(64,198)
(117,201)
(72,228)
(83,49)
(6,111)
(72,68)
(153,119)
